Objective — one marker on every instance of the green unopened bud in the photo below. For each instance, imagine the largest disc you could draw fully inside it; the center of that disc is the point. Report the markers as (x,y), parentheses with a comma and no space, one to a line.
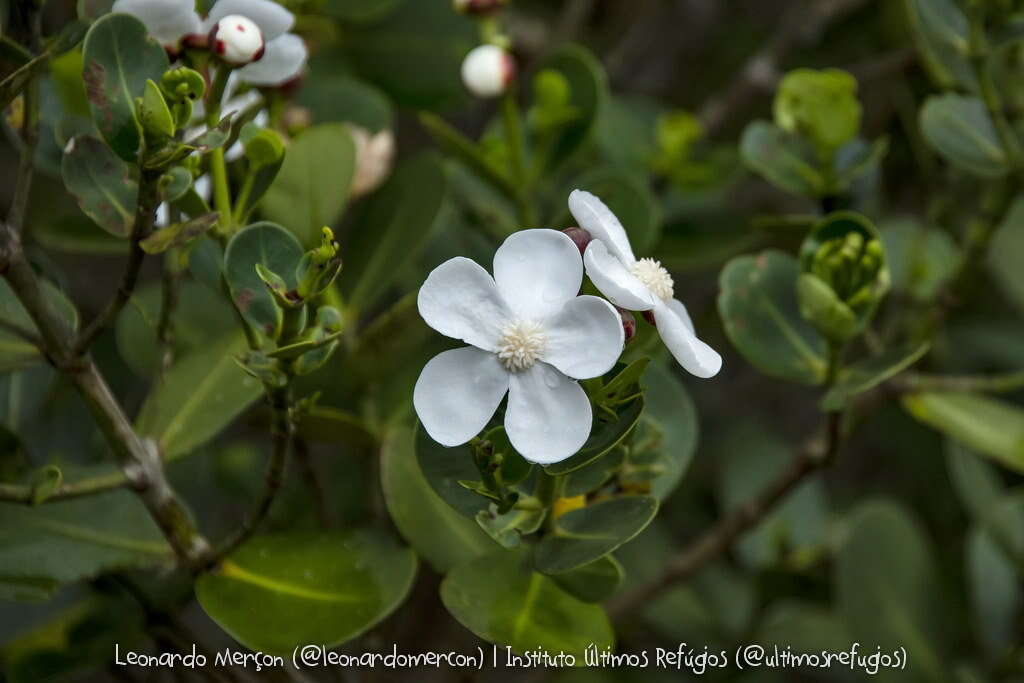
(328,319)
(263,147)
(158,124)
(264,368)
(318,267)
(182,87)
(819,105)
(844,275)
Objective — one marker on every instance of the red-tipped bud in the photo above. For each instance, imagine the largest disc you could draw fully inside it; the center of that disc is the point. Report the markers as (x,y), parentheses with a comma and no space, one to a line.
(628,323)
(580,237)
(649,317)
(488,70)
(237,40)
(478,7)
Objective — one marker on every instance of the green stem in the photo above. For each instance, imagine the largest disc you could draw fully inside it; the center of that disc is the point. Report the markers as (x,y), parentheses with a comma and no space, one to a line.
(979,53)
(25,493)
(243,197)
(218,166)
(1011,381)
(549,487)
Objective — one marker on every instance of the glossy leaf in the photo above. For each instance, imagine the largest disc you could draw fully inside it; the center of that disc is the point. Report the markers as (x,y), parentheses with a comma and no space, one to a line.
(507,529)
(758,306)
(393,229)
(941,32)
(103,185)
(583,535)
(272,247)
(311,188)
(921,259)
(870,372)
(67,541)
(119,58)
(594,582)
(588,88)
(438,533)
(1006,253)
(280,591)
(200,396)
(959,128)
(994,589)
(500,599)
(16,351)
(991,427)
(782,159)
(178,235)
(606,435)
(886,584)
(671,411)
(444,468)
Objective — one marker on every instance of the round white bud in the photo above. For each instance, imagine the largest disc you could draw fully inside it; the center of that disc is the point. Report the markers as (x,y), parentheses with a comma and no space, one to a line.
(488,70)
(237,40)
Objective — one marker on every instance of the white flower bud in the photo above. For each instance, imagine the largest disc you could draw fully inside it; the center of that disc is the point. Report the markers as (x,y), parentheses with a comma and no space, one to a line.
(237,40)
(488,70)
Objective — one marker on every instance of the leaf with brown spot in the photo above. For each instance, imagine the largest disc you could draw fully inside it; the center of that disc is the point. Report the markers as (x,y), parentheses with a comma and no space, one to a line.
(102,184)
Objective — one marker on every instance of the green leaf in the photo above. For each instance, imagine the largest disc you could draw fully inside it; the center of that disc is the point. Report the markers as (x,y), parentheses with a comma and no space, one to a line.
(280,591)
(272,247)
(119,56)
(581,536)
(439,535)
(626,193)
(71,540)
(782,159)
(508,529)
(976,482)
(200,396)
(887,591)
(500,599)
(921,259)
(588,87)
(360,11)
(989,426)
(941,32)
(994,589)
(179,234)
(205,320)
(959,128)
(311,188)
(758,306)
(393,229)
(444,468)
(672,412)
(594,582)
(15,351)
(13,84)
(606,435)
(870,372)
(332,425)
(76,234)
(1006,253)
(103,184)
(343,98)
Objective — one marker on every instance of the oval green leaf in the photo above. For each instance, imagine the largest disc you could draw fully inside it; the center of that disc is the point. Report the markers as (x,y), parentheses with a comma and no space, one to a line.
(502,600)
(101,183)
(275,249)
(759,309)
(782,159)
(594,582)
(959,128)
(280,591)
(583,535)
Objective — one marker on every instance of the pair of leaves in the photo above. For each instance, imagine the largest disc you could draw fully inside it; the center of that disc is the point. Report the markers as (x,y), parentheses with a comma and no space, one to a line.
(275,249)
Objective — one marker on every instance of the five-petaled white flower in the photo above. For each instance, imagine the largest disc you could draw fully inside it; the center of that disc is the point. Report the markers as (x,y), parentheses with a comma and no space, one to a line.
(639,285)
(530,335)
(280,59)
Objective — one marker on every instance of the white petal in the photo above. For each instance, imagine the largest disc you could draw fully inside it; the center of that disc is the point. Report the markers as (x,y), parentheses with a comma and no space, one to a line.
(585,338)
(537,271)
(283,59)
(166,20)
(272,19)
(614,280)
(548,417)
(458,392)
(679,309)
(459,300)
(597,219)
(695,356)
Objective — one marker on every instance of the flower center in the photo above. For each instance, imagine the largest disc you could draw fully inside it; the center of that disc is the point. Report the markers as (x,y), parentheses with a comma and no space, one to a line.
(521,345)
(654,277)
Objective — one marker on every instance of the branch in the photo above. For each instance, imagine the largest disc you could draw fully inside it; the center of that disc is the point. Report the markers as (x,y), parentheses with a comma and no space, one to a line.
(722,535)
(139,461)
(29,132)
(803,24)
(282,430)
(25,494)
(145,215)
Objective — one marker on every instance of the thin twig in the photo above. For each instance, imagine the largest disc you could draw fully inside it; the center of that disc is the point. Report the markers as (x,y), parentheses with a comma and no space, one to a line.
(145,215)
(913,382)
(283,431)
(26,493)
(313,483)
(723,534)
(29,132)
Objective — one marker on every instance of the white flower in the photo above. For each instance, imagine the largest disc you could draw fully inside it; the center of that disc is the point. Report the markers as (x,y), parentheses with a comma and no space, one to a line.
(530,335)
(237,40)
(169,21)
(487,70)
(639,285)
